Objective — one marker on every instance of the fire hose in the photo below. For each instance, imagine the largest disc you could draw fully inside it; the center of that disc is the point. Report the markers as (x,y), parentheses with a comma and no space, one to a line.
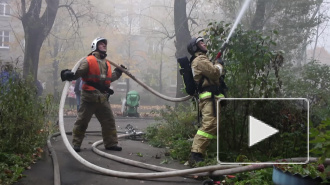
(166,172)
(148,88)
(170,173)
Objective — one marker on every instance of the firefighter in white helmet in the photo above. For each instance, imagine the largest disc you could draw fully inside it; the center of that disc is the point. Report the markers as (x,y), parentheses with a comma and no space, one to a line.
(96,75)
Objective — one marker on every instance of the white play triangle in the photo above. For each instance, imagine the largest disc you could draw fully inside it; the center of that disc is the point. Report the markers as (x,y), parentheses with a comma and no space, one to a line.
(259,131)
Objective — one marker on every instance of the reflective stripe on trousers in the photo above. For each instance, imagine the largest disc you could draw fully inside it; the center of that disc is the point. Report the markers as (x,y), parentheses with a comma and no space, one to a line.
(208,130)
(206,94)
(210,136)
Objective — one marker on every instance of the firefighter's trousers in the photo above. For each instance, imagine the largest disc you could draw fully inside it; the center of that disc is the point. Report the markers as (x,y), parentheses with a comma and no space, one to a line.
(104,115)
(208,130)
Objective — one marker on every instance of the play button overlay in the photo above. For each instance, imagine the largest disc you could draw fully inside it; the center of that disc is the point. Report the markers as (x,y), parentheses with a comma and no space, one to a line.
(259,131)
(262,130)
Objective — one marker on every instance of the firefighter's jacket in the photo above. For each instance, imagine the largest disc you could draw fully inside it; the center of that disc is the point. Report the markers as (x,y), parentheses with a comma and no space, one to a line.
(83,71)
(202,66)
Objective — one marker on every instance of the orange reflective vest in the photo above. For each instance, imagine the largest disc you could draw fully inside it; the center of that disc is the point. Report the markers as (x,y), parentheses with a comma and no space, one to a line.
(94,73)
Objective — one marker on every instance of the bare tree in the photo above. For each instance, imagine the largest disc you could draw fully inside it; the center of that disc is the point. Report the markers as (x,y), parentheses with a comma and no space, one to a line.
(259,16)
(182,37)
(36,29)
(295,21)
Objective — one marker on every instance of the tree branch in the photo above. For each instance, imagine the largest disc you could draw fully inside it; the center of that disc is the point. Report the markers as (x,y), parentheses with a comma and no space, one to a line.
(71,11)
(34,9)
(23,7)
(17,39)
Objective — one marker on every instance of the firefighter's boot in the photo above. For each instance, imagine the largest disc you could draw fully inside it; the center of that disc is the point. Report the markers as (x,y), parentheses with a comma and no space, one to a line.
(115,148)
(76,148)
(195,158)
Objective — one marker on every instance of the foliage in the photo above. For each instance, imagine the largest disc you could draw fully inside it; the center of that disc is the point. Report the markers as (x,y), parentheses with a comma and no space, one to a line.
(319,139)
(310,169)
(291,141)
(174,128)
(25,122)
(320,146)
(251,65)
(311,81)
(295,20)
(257,177)
(253,71)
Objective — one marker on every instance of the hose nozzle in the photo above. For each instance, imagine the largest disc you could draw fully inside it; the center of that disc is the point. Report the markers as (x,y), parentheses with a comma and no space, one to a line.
(223,47)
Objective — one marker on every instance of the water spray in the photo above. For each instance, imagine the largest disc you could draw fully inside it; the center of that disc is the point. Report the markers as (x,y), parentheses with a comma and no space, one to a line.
(238,19)
(213,169)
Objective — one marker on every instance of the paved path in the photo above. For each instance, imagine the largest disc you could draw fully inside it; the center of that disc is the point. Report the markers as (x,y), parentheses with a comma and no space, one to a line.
(74,173)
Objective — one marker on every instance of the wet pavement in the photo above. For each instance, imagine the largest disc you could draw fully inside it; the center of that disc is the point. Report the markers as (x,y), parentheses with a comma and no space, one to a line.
(74,173)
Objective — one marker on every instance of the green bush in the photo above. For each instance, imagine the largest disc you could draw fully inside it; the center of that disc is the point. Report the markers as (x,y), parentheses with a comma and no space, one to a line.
(253,70)
(174,129)
(256,177)
(25,122)
(311,81)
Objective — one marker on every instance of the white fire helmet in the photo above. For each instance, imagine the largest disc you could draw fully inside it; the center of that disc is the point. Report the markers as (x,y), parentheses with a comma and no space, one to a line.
(96,41)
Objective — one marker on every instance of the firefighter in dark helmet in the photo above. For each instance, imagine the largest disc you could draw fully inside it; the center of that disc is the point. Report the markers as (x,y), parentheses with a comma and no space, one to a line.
(96,75)
(207,75)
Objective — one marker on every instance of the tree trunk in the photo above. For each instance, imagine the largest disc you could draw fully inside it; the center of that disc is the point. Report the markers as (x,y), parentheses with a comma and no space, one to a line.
(302,58)
(182,35)
(162,45)
(55,78)
(54,54)
(259,16)
(316,38)
(36,30)
(33,42)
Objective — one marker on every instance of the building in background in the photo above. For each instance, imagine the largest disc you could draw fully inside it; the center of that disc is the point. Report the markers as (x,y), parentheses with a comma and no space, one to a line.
(11,36)
(4,30)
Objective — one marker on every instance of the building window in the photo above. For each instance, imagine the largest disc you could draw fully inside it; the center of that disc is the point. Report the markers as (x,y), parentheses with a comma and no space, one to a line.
(4,39)
(4,9)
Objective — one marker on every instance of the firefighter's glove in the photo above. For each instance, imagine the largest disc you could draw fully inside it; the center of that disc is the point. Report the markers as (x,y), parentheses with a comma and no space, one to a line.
(123,66)
(109,92)
(223,47)
(118,71)
(220,61)
(66,74)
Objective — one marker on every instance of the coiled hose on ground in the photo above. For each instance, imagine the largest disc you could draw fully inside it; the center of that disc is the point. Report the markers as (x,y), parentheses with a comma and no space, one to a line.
(165,172)
(119,173)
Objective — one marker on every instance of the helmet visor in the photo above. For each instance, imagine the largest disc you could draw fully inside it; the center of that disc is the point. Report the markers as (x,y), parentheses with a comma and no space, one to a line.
(199,39)
(104,41)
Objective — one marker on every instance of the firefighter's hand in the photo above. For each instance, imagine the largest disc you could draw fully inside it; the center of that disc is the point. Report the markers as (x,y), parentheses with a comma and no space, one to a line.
(121,65)
(220,61)
(223,47)
(118,71)
(66,74)
(110,91)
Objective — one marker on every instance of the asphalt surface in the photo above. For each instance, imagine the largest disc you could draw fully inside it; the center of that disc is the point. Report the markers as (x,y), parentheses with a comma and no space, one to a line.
(74,173)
